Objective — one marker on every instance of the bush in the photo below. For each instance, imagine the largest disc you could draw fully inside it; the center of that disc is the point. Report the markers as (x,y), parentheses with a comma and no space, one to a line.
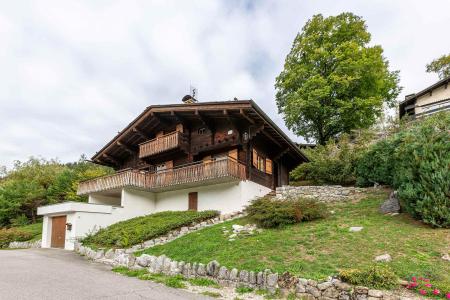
(140,229)
(422,169)
(267,212)
(333,163)
(377,164)
(13,235)
(416,162)
(375,276)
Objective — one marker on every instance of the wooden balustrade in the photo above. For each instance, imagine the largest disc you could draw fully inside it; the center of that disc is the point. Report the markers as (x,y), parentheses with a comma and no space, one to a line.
(160,144)
(151,181)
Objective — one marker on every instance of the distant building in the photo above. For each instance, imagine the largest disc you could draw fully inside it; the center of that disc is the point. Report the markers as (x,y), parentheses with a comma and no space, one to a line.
(433,99)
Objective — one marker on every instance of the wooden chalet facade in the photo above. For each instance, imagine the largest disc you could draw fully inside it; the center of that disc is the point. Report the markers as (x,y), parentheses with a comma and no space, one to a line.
(174,145)
(196,156)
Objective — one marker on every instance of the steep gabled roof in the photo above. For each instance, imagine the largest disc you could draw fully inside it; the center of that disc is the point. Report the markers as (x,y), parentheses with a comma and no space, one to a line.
(135,132)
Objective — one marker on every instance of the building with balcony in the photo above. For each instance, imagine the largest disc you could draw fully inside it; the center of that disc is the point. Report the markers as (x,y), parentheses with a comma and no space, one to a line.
(192,156)
(433,99)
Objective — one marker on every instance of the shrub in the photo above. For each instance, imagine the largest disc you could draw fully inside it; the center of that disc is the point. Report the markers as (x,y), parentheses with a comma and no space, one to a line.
(422,170)
(267,212)
(334,162)
(12,235)
(140,229)
(377,164)
(416,162)
(376,276)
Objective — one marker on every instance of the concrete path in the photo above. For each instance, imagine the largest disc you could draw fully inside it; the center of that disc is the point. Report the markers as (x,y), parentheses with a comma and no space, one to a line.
(60,274)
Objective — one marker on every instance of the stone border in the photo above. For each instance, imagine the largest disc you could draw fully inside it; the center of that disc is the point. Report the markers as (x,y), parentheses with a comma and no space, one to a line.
(26,244)
(333,288)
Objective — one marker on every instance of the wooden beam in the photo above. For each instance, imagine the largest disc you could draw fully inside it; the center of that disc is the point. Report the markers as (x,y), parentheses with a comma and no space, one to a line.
(205,121)
(281,154)
(112,159)
(126,147)
(180,119)
(271,138)
(250,120)
(141,133)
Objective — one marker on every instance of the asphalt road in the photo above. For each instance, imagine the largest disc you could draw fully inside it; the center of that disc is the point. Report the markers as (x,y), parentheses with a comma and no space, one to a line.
(60,274)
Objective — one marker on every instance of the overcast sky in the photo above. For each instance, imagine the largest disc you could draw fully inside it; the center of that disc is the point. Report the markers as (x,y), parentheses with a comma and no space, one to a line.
(74,73)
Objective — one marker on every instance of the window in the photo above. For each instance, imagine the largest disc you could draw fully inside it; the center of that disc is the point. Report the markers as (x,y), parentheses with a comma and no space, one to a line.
(261,163)
(201,130)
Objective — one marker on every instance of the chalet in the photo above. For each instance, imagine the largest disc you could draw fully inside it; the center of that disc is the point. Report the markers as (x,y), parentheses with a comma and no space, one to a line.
(190,156)
(433,99)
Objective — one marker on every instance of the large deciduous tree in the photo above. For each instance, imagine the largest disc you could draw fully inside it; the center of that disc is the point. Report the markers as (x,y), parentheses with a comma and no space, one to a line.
(441,66)
(333,82)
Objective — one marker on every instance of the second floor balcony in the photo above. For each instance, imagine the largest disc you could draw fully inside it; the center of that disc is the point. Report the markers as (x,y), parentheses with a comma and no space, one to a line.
(199,173)
(161,144)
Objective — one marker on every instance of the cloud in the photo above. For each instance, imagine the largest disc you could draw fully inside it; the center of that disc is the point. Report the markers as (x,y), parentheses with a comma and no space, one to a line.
(74,73)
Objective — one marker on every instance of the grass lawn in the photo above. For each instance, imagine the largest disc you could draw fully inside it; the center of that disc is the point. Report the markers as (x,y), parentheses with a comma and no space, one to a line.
(35,229)
(320,248)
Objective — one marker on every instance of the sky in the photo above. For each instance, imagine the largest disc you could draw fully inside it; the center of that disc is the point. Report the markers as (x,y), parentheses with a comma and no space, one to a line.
(74,73)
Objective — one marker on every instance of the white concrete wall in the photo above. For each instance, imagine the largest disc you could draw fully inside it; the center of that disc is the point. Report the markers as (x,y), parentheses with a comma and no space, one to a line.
(225,197)
(137,203)
(46,232)
(105,200)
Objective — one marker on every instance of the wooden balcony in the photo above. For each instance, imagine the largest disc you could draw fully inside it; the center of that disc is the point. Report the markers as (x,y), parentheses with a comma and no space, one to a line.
(160,144)
(177,178)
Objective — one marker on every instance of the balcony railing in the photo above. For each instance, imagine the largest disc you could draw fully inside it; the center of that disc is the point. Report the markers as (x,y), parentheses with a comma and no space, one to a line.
(188,175)
(160,144)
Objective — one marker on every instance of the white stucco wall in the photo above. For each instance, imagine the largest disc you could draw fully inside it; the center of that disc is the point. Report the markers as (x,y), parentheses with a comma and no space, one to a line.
(106,200)
(225,197)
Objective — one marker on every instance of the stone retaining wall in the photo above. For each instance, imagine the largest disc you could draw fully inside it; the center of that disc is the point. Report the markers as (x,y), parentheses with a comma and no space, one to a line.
(332,288)
(325,193)
(26,244)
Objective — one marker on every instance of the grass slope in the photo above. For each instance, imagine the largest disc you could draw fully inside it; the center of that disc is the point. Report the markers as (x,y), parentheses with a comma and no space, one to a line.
(320,248)
(35,229)
(140,229)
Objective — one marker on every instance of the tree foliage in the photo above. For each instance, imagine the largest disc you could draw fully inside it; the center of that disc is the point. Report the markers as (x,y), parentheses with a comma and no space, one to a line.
(37,182)
(333,81)
(334,162)
(441,66)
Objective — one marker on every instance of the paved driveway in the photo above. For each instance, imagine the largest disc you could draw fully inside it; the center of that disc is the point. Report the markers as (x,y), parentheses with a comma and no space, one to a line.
(60,274)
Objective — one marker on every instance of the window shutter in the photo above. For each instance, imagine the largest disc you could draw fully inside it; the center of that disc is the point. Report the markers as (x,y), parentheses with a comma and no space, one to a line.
(255,158)
(233,154)
(169,164)
(268,166)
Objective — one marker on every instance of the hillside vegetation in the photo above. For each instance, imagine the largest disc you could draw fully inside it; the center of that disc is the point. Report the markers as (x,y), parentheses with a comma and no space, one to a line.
(37,182)
(140,229)
(320,248)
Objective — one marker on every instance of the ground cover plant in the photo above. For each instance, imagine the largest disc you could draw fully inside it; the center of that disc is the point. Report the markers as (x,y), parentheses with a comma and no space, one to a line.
(267,212)
(31,232)
(137,230)
(320,248)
